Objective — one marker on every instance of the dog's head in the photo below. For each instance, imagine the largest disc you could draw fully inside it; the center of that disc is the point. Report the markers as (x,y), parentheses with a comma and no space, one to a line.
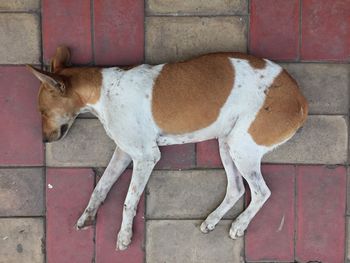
(58,103)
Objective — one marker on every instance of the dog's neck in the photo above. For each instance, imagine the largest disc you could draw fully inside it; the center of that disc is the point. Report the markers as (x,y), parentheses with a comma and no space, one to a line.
(85,84)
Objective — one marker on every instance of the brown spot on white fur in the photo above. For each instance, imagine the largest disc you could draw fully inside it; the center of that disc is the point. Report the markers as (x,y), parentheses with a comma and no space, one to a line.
(87,82)
(188,96)
(284,111)
(254,62)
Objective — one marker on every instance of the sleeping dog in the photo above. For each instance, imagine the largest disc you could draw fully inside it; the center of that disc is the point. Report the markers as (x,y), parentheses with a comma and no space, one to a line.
(250,105)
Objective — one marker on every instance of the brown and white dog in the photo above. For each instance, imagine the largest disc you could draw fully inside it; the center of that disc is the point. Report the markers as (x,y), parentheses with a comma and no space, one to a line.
(250,105)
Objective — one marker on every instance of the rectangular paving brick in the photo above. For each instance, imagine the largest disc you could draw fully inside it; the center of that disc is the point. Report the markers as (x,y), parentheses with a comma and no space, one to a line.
(347,240)
(19,38)
(67,194)
(67,23)
(187,194)
(21,240)
(176,38)
(348,193)
(19,5)
(321,197)
(177,157)
(109,219)
(173,241)
(21,139)
(274,29)
(197,7)
(322,140)
(86,145)
(324,85)
(325,30)
(21,192)
(208,155)
(87,115)
(118,32)
(270,235)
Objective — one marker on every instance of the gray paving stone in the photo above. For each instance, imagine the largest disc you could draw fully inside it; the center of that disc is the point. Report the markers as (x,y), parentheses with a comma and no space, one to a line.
(324,85)
(187,194)
(322,140)
(21,240)
(19,5)
(22,192)
(87,115)
(196,7)
(174,241)
(86,145)
(176,38)
(19,38)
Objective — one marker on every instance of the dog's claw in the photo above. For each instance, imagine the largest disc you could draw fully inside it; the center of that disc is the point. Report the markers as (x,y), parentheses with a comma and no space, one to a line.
(84,222)
(123,241)
(237,230)
(206,228)
(121,246)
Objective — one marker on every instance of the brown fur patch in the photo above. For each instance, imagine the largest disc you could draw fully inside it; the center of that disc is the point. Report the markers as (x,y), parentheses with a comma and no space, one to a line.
(61,59)
(87,82)
(254,62)
(188,96)
(284,111)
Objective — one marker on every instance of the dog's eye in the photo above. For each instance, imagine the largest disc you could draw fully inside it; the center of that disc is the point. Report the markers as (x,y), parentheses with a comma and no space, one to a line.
(43,113)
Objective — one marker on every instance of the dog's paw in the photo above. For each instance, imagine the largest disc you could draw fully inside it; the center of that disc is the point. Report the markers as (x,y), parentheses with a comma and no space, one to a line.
(237,230)
(123,240)
(85,221)
(206,227)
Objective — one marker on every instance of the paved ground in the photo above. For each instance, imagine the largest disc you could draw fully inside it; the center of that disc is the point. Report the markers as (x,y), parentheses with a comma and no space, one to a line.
(44,188)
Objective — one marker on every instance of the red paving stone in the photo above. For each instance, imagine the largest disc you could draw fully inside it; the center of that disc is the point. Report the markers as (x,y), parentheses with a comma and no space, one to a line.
(21,139)
(118,32)
(177,157)
(65,201)
(108,224)
(274,29)
(325,30)
(208,155)
(270,235)
(67,23)
(321,195)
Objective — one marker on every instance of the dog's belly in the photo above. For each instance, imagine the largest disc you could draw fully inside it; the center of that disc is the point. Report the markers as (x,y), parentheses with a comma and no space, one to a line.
(191,137)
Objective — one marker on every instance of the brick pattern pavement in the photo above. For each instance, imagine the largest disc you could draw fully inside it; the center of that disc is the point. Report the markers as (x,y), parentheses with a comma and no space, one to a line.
(44,188)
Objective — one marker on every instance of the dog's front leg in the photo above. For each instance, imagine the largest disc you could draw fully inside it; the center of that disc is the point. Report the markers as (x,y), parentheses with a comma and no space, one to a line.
(141,173)
(120,160)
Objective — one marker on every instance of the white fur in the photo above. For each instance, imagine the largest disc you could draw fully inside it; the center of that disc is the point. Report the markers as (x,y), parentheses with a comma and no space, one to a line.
(124,108)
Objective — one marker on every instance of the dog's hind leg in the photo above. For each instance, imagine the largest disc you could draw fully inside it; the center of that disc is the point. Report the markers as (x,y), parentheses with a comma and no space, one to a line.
(235,189)
(120,160)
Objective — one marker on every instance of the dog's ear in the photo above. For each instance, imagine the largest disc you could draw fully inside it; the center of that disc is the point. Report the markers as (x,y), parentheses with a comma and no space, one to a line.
(53,81)
(61,59)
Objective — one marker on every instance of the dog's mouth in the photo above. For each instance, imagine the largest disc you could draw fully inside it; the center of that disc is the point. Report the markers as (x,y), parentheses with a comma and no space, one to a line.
(57,134)
(64,129)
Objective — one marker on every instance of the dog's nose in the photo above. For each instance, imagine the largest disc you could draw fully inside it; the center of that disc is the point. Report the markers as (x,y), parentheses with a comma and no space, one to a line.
(45,140)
